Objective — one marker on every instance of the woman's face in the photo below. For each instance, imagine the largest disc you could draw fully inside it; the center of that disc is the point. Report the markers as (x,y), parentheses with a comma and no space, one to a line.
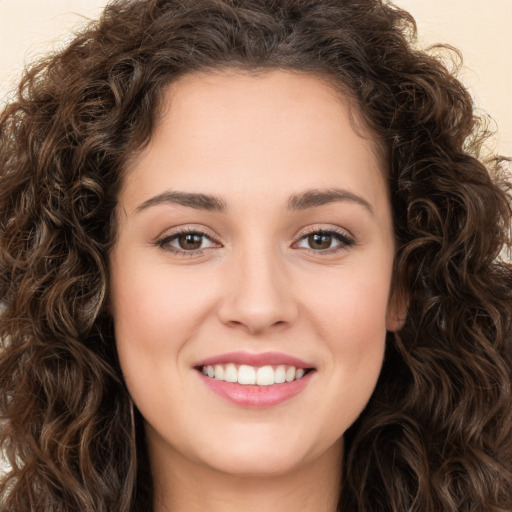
(255,246)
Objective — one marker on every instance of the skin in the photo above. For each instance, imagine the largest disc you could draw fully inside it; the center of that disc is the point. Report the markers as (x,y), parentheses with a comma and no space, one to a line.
(257,284)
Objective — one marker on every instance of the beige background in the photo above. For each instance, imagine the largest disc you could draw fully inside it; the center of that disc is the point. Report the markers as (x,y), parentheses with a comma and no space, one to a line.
(480,28)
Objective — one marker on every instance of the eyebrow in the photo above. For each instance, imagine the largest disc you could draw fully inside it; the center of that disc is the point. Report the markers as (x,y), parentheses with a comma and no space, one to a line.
(319,197)
(307,199)
(192,200)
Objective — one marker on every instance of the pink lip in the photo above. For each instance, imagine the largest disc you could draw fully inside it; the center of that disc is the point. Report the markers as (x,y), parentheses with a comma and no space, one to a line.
(263,359)
(256,396)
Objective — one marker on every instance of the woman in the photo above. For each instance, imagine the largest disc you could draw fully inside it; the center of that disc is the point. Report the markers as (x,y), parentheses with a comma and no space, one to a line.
(251,259)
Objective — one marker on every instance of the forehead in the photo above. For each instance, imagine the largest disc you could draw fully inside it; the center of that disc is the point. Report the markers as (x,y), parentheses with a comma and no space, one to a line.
(262,128)
(277,92)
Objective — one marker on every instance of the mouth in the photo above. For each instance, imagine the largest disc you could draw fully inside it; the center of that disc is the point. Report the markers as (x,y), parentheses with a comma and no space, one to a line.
(248,375)
(255,380)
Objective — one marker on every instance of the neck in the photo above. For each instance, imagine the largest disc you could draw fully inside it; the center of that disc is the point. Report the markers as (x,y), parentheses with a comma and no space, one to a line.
(183,486)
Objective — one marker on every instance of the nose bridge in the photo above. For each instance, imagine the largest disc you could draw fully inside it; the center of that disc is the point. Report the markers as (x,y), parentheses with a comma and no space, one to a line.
(259,295)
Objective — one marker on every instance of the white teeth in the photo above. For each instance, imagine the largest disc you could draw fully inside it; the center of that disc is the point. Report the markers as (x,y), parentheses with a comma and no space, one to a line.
(246,374)
(219,371)
(280,375)
(290,374)
(250,375)
(230,373)
(265,376)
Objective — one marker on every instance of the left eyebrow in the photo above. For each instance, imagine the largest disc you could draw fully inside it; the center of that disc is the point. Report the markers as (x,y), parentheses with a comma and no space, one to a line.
(319,197)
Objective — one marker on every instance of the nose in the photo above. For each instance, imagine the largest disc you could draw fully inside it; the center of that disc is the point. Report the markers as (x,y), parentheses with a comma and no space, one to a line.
(259,294)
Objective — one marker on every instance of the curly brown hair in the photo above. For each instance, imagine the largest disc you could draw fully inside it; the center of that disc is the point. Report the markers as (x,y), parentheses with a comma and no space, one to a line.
(436,434)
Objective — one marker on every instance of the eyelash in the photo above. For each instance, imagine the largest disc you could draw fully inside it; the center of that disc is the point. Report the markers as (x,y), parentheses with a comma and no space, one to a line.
(345,241)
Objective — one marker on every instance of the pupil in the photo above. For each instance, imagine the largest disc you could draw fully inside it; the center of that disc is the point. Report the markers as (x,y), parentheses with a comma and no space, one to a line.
(318,241)
(190,241)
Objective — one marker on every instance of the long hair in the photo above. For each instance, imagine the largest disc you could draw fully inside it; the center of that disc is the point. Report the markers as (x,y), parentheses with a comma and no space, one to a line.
(436,434)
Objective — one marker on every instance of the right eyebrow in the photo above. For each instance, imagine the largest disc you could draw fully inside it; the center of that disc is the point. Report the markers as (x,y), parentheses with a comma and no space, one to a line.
(193,200)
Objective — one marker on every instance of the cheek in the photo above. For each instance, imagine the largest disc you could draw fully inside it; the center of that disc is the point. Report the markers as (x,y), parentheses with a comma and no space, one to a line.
(153,321)
(351,306)
(153,306)
(351,319)
(154,316)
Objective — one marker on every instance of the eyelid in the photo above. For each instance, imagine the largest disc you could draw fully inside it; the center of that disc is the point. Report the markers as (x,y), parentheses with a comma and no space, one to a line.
(164,240)
(345,238)
(315,228)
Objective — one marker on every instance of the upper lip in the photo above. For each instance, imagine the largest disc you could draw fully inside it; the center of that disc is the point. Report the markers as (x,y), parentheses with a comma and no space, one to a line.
(258,360)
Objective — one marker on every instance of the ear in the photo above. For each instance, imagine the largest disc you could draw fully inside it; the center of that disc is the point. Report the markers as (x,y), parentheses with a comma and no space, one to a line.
(396,314)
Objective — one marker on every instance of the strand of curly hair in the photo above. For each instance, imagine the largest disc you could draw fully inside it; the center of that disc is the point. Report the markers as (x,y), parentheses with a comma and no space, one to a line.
(436,434)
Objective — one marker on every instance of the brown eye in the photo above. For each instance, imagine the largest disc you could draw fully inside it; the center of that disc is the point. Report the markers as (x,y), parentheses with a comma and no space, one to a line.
(325,241)
(190,241)
(320,241)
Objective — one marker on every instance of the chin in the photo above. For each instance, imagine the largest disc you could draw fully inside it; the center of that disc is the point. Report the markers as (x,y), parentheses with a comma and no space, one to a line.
(259,464)
(267,453)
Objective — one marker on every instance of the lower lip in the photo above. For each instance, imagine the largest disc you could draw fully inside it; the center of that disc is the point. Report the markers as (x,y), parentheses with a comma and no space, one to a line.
(257,396)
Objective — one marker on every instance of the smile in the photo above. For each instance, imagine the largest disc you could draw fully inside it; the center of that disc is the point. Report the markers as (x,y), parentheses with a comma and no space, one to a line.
(255,380)
(251,375)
